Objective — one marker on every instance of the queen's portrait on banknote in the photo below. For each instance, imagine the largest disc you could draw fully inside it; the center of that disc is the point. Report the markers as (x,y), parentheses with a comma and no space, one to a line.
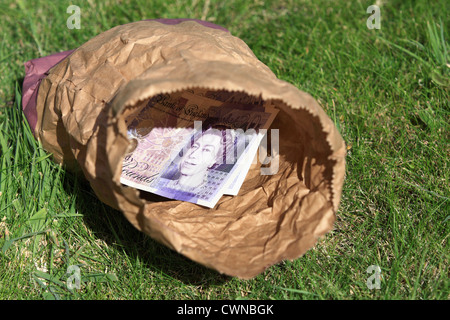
(200,172)
(202,156)
(206,151)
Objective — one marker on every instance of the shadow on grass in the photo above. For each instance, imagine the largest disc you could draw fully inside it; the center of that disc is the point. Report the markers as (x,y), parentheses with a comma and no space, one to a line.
(121,237)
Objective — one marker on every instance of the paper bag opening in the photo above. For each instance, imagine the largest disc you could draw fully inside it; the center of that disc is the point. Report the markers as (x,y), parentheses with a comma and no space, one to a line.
(274,216)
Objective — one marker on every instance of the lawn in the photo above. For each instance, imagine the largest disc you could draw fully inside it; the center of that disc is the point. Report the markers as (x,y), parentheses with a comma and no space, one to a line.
(385,89)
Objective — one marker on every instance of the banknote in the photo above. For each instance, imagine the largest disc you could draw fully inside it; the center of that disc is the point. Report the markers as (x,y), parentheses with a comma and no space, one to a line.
(193,148)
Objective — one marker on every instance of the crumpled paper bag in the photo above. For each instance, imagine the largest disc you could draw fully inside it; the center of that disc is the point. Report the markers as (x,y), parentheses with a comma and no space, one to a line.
(76,103)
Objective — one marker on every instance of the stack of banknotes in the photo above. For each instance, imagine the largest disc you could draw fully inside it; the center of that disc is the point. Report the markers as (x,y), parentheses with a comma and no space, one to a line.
(196,145)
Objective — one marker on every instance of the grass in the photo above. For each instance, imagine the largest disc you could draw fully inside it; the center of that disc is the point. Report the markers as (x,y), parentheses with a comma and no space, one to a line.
(386,90)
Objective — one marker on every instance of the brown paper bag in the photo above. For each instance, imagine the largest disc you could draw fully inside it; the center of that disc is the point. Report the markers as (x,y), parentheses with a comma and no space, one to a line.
(82,104)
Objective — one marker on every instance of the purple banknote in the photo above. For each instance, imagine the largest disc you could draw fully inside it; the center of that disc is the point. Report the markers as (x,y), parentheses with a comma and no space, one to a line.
(204,152)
